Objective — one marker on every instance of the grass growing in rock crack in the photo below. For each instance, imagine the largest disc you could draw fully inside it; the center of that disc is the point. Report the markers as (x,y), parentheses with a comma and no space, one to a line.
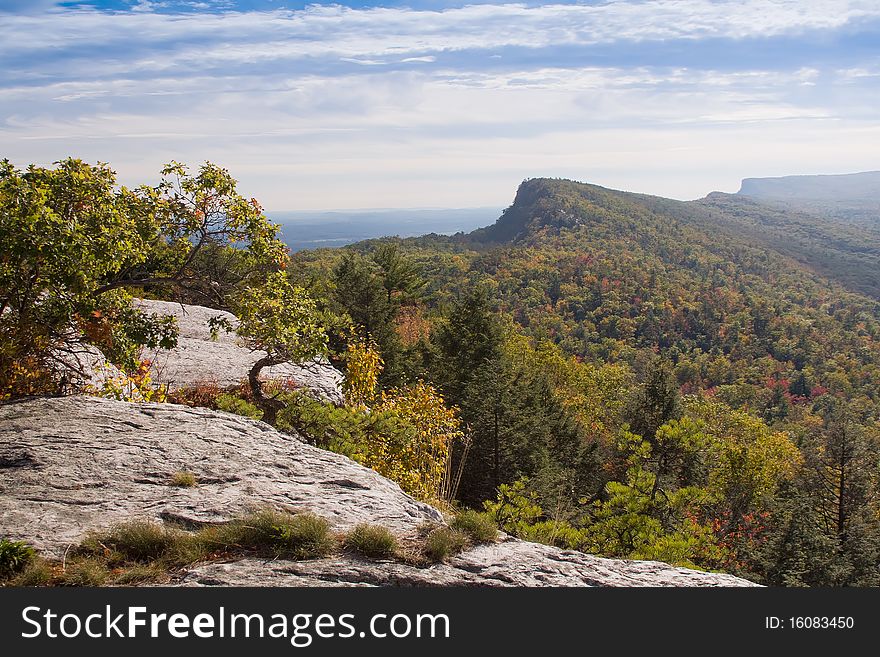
(85,572)
(272,533)
(140,551)
(480,527)
(184,479)
(444,542)
(372,541)
(134,541)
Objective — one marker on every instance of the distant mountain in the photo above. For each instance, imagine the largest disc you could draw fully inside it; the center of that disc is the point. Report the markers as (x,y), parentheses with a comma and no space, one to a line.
(844,187)
(821,242)
(853,198)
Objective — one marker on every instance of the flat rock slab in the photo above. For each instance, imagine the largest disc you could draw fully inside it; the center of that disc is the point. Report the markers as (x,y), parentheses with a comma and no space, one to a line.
(72,464)
(75,464)
(198,358)
(510,562)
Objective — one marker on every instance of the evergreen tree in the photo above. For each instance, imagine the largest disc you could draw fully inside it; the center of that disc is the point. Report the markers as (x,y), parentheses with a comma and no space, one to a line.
(656,402)
(827,532)
(468,341)
(400,276)
(361,294)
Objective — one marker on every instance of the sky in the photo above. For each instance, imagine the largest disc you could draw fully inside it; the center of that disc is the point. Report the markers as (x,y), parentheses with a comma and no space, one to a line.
(429,103)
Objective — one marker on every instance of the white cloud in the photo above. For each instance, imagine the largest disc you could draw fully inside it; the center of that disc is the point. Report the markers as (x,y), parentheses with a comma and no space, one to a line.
(301,103)
(340,30)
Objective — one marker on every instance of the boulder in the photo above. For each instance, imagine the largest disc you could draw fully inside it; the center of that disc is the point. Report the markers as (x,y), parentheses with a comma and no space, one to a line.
(75,464)
(225,360)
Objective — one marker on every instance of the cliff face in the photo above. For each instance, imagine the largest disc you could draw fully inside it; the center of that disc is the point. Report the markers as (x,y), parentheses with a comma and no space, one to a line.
(76,464)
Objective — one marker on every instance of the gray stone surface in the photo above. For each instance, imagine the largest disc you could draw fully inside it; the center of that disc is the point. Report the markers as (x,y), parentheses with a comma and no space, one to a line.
(510,562)
(225,361)
(77,463)
(69,465)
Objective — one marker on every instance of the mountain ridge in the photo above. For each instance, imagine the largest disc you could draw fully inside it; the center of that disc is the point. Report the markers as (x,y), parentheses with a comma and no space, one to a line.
(821,244)
(863,185)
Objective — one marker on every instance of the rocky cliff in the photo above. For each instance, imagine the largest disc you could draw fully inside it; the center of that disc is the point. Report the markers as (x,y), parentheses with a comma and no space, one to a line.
(70,465)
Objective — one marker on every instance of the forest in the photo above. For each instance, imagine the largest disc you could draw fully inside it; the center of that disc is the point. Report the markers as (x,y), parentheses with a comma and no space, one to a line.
(625,375)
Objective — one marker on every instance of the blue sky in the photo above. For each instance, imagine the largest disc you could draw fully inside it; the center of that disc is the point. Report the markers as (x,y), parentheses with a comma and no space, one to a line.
(430,103)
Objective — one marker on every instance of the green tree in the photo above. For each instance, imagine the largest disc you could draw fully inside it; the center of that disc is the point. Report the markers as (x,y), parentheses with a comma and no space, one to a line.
(282,320)
(656,402)
(469,340)
(74,246)
(400,275)
(360,294)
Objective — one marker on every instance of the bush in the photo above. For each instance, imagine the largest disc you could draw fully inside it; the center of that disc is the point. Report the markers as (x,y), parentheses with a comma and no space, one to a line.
(232,403)
(480,527)
(202,395)
(15,556)
(371,541)
(407,436)
(183,479)
(444,542)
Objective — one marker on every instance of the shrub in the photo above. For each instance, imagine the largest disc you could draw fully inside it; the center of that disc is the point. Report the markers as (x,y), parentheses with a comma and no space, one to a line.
(480,527)
(183,479)
(232,403)
(418,456)
(363,365)
(135,386)
(444,542)
(203,395)
(371,541)
(14,557)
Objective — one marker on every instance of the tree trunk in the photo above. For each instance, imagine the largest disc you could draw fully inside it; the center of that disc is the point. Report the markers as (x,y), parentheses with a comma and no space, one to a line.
(269,405)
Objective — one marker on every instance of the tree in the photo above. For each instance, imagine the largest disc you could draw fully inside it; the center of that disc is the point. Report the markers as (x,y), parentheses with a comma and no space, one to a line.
(400,276)
(74,246)
(657,401)
(470,339)
(360,293)
(827,529)
(282,320)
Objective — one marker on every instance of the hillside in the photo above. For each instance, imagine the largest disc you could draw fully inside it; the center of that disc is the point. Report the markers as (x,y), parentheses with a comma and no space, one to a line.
(631,344)
(822,239)
(817,239)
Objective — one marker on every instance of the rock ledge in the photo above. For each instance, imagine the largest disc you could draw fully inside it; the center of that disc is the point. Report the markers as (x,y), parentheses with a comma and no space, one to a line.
(74,464)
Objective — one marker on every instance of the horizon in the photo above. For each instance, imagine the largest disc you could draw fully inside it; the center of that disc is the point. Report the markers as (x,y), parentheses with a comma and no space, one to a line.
(438,104)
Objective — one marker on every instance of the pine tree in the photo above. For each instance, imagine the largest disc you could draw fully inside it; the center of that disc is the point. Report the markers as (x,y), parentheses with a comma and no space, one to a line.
(657,401)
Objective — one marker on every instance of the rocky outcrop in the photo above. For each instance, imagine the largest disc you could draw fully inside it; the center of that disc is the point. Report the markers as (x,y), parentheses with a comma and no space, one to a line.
(70,465)
(198,358)
(510,562)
